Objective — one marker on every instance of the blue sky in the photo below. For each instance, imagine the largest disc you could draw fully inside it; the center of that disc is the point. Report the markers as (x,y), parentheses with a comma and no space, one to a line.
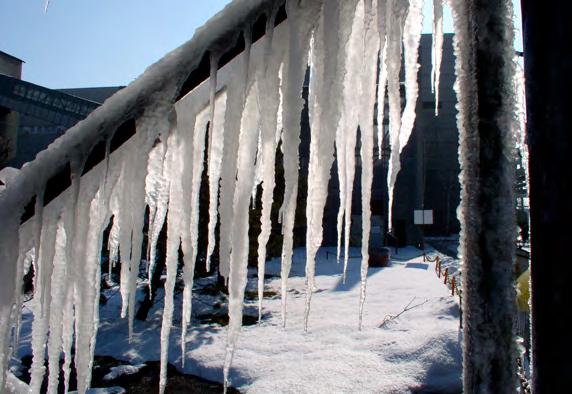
(81,43)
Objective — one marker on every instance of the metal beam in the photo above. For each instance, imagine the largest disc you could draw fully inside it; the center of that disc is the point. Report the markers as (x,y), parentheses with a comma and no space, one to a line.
(548,70)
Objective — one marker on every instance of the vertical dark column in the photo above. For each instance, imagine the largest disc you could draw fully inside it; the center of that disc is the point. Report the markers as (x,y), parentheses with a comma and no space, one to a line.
(548,69)
(488,219)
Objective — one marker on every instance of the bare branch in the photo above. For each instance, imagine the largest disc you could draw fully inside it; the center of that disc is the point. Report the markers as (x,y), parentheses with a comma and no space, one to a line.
(408,307)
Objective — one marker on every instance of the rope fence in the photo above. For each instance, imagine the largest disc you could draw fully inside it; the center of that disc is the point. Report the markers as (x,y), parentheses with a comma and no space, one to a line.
(448,280)
(452,282)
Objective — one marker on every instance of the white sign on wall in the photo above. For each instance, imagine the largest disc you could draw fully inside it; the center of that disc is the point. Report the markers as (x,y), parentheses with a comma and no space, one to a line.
(423,216)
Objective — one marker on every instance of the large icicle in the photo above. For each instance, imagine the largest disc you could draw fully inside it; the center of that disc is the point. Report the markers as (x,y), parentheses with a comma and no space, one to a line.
(41,305)
(236,99)
(269,102)
(60,282)
(437,50)
(382,10)
(239,255)
(193,170)
(215,160)
(325,111)
(174,163)
(411,39)
(73,239)
(157,198)
(301,20)
(367,103)
(149,126)
(396,11)
(352,92)
(87,305)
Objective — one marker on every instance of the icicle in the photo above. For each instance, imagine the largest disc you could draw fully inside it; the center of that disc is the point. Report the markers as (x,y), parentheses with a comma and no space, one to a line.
(87,310)
(9,243)
(269,102)
(157,194)
(41,305)
(68,319)
(132,204)
(212,97)
(301,20)
(353,90)
(236,96)
(60,283)
(396,11)
(193,170)
(372,44)
(239,255)
(325,111)
(382,11)
(214,170)
(175,157)
(341,160)
(437,50)
(74,239)
(411,38)
(216,133)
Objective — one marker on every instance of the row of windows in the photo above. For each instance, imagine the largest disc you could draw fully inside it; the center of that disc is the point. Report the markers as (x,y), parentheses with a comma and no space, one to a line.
(52,100)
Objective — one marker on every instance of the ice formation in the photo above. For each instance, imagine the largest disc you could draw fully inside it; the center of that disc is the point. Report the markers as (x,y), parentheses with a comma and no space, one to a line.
(249,108)
(437,50)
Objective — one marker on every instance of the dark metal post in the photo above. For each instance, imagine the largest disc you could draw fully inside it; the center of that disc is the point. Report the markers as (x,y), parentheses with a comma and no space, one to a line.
(548,70)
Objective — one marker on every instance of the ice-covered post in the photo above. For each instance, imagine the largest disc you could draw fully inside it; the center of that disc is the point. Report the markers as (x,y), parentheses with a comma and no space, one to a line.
(483,45)
(548,70)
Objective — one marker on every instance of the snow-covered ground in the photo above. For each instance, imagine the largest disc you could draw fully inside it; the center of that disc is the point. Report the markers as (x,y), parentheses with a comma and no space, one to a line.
(419,351)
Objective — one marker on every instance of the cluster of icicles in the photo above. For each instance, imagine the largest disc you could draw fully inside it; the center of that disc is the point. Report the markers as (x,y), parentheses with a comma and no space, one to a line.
(354,51)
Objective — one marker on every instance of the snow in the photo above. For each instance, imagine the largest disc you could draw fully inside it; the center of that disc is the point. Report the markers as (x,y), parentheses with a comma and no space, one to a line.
(419,350)
(123,370)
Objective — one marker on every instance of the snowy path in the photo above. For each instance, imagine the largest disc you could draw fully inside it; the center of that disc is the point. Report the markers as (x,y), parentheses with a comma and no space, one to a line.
(418,352)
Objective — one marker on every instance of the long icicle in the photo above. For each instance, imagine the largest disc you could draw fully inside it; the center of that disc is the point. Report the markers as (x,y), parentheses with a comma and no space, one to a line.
(191,189)
(301,22)
(437,50)
(236,99)
(215,163)
(239,255)
(175,154)
(372,47)
(268,102)
(382,10)
(353,90)
(325,111)
(396,11)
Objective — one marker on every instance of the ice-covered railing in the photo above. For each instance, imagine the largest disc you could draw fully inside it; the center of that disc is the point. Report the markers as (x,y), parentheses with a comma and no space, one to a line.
(147,144)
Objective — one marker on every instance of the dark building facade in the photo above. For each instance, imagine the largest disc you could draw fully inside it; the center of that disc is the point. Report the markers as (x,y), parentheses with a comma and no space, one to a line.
(429,176)
(32,116)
